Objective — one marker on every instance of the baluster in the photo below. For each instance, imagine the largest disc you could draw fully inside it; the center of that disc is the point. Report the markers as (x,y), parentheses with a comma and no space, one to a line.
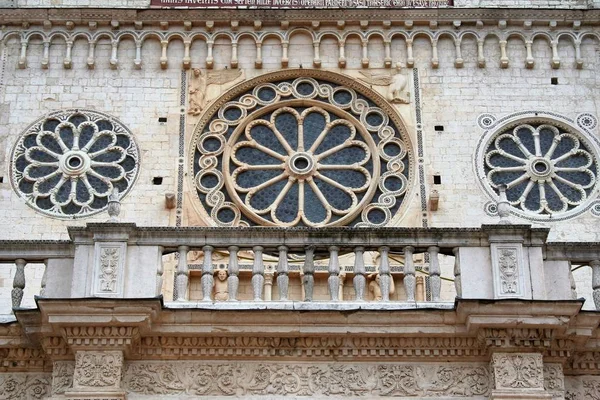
(309,271)
(419,288)
(342,276)
(384,273)
(182,274)
(434,273)
(44,279)
(503,55)
(233,282)
(159,271)
(457,276)
(283,279)
(208,280)
(18,283)
(258,271)
(359,273)
(596,282)
(334,269)
(409,273)
(269,275)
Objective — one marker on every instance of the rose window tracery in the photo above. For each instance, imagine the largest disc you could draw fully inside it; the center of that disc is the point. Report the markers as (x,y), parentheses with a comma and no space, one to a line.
(550,169)
(299,152)
(67,163)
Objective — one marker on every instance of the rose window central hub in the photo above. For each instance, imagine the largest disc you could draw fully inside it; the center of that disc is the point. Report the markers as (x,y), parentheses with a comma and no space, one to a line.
(301,165)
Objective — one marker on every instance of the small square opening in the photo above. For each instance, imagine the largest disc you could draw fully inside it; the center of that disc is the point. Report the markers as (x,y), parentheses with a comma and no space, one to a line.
(554,81)
(157,180)
(162,120)
(437,179)
(1,179)
(439,128)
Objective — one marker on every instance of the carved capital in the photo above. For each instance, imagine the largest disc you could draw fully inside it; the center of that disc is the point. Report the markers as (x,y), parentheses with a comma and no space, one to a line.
(97,375)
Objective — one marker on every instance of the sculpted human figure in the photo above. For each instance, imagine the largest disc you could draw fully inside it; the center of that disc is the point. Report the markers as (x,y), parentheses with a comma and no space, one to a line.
(197,89)
(375,288)
(220,290)
(397,92)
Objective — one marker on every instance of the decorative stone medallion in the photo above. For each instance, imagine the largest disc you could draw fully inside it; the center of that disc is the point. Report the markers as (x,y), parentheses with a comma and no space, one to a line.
(300,148)
(67,163)
(549,165)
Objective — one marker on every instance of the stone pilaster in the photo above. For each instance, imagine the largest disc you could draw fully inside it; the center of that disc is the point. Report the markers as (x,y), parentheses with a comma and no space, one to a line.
(518,376)
(97,375)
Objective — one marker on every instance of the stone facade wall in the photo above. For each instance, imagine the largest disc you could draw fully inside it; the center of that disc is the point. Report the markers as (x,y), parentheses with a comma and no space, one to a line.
(451,97)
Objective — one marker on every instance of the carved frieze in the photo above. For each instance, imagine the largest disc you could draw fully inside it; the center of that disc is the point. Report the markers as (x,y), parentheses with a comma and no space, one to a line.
(24,386)
(62,376)
(514,371)
(507,264)
(109,268)
(554,380)
(364,380)
(307,347)
(582,388)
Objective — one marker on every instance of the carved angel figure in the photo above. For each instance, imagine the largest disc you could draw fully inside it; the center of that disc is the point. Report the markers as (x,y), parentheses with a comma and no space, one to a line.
(375,286)
(200,82)
(220,289)
(396,83)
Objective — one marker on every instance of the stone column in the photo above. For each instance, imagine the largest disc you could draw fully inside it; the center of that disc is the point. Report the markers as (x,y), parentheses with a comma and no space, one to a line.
(518,376)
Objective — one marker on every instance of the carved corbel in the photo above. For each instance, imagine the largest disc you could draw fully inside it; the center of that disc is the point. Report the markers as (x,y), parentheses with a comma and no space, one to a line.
(529,60)
(365,54)
(210,61)
(258,62)
(91,59)
(45,56)
(114,60)
(164,60)
(187,60)
(342,59)
(459,61)
(23,56)
(284,56)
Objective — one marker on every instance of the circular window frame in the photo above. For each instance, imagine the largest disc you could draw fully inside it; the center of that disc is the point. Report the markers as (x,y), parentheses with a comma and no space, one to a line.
(267,80)
(37,125)
(506,125)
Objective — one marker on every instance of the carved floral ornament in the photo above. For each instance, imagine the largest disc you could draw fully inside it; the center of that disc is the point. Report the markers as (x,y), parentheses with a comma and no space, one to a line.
(548,162)
(67,163)
(300,148)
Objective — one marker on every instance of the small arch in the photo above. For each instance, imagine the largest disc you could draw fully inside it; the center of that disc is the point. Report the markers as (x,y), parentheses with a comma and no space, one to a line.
(515,35)
(349,34)
(104,34)
(151,34)
(55,35)
(543,35)
(77,35)
(375,33)
(125,34)
(591,34)
(199,35)
(175,36)
(223,34)
(32,34)
(295,31)
(326,34)
(393,35)
(9,34)
(493,35)
(256,38)
(567,35)
(441,34)
(466,34)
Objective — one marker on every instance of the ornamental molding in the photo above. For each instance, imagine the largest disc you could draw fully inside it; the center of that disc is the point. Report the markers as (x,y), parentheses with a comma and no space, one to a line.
(549,162)
(67,163)
(86,337)
(517,337)
(156,347)
(299,379)
(82,16)
(517,371)
(19,386)
(279,139)
(23,358)
(62,376)
(554,379)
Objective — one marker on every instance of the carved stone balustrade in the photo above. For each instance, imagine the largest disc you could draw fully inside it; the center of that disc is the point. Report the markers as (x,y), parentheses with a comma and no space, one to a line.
(310,268)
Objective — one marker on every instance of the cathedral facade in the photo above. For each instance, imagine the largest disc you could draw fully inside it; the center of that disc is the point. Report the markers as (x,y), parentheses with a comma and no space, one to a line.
(272,199)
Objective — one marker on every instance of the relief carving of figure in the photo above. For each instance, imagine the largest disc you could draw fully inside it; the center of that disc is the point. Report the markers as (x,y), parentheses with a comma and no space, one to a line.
(375,288)
(200,82)
(396,84)
(220,290)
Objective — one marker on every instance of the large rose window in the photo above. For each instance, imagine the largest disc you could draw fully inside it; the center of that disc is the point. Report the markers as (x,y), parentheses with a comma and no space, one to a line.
(549,170)
(68,163)
(299,153)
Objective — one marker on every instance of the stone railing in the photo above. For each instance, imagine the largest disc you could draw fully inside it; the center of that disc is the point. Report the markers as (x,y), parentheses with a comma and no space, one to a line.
(120,260)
